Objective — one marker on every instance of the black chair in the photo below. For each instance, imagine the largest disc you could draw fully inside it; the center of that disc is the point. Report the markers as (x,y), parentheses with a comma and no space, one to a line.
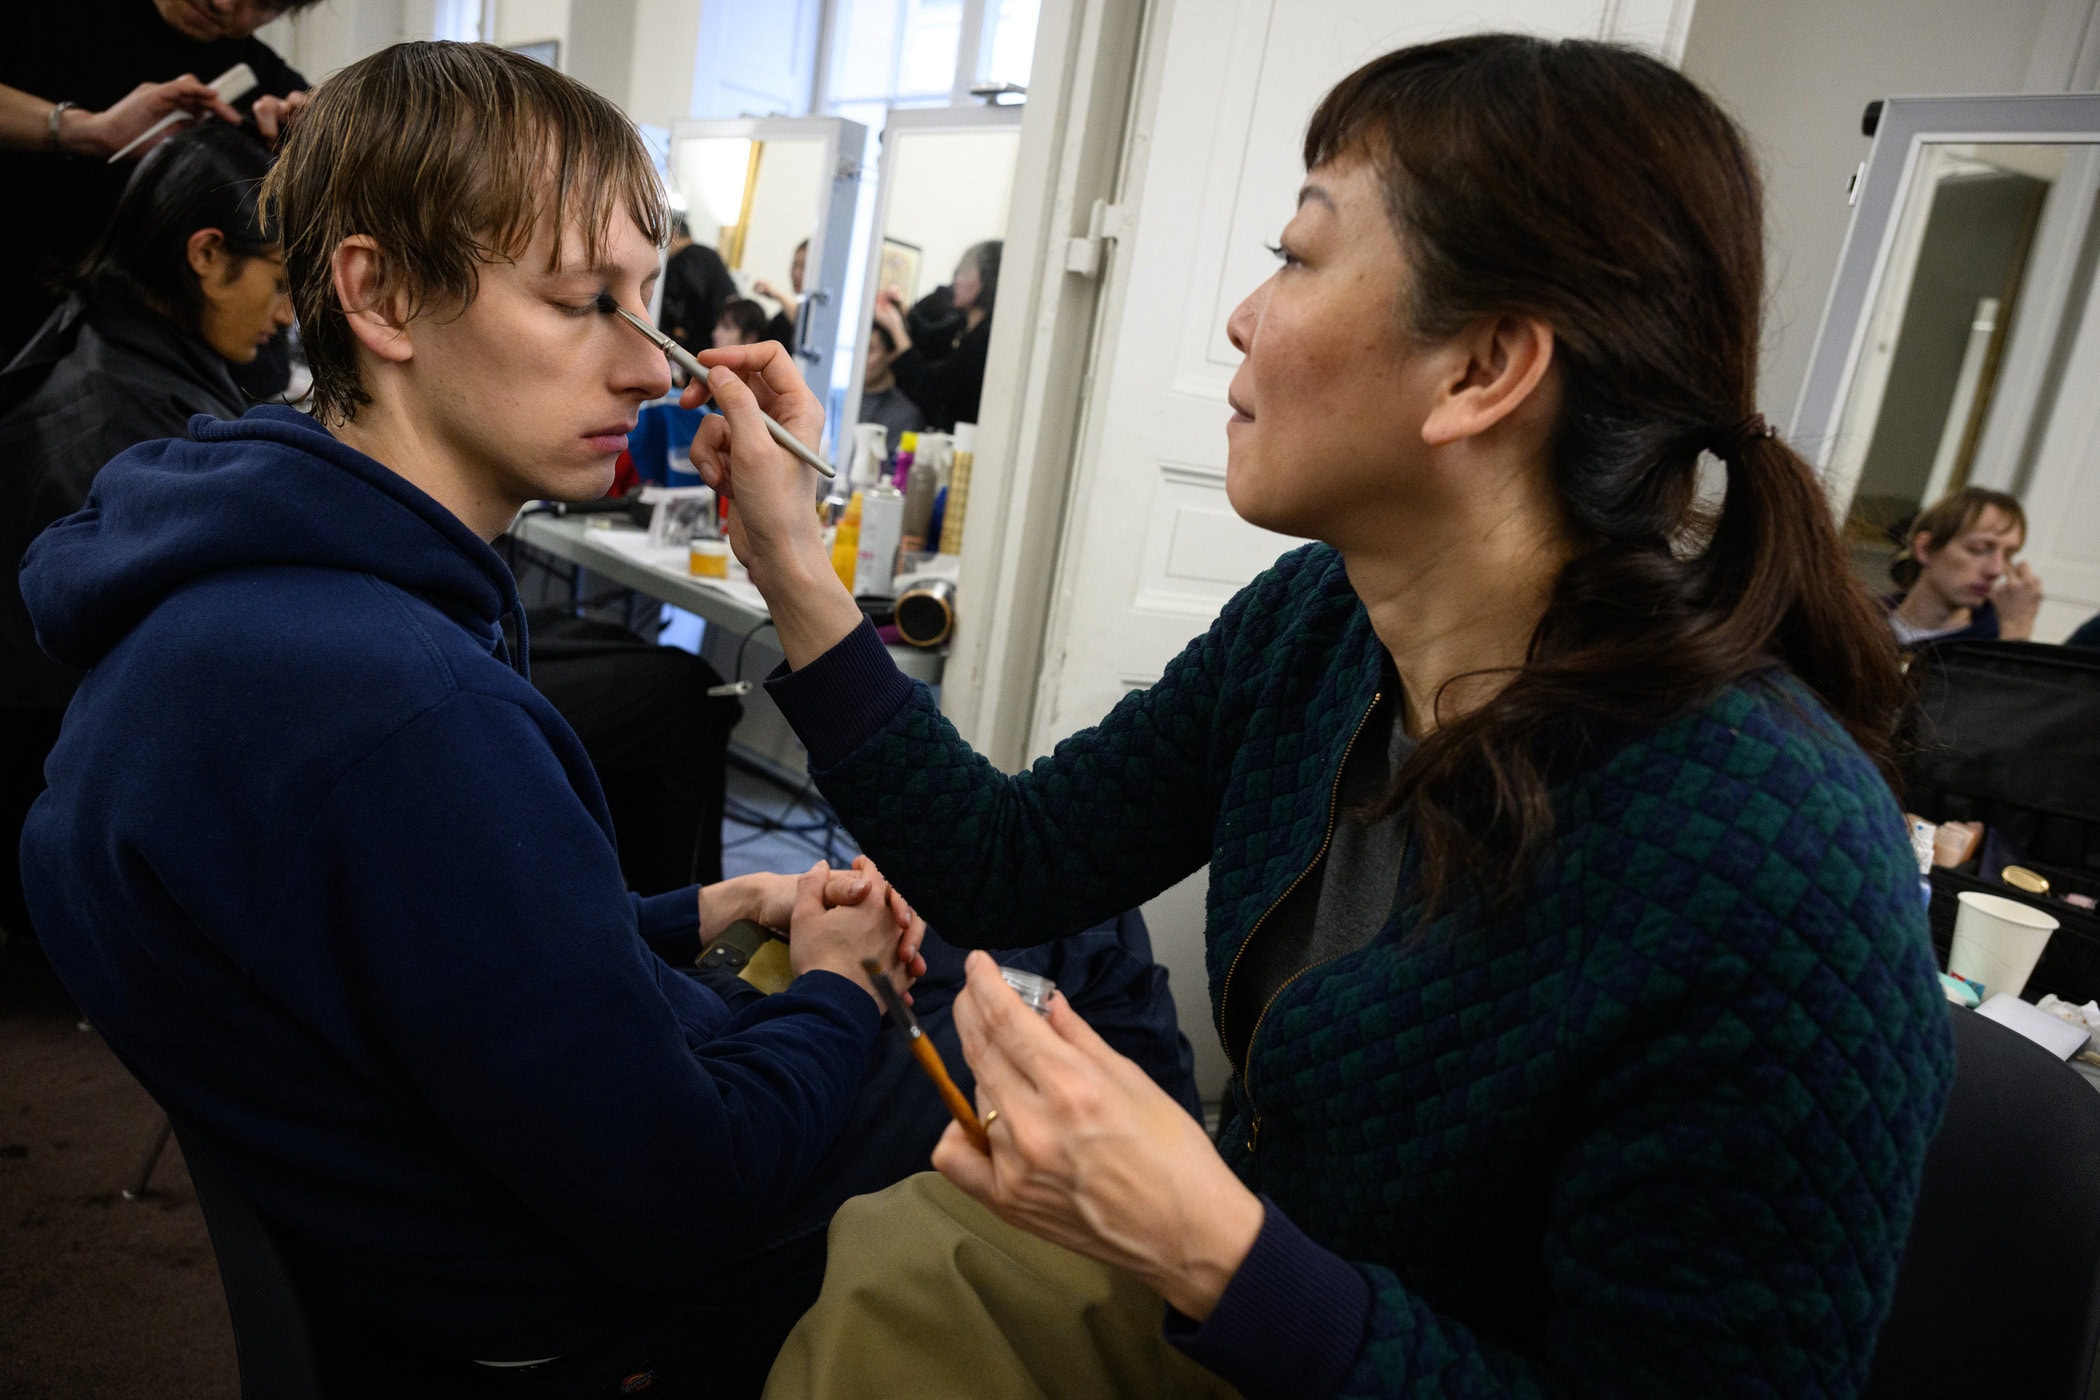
(1999,1290)
(275,1326)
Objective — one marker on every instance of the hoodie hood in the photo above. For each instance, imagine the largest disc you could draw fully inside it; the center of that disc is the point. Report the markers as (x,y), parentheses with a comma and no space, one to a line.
(269,489)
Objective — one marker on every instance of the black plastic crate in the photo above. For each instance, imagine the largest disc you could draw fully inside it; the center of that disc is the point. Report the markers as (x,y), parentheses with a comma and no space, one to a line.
(2070,965)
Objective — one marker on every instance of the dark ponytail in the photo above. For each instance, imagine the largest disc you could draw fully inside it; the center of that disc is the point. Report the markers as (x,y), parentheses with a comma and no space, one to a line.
(1602,192)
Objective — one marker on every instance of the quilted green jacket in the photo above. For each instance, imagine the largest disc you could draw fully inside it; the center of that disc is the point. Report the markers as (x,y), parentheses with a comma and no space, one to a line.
(1654,1130)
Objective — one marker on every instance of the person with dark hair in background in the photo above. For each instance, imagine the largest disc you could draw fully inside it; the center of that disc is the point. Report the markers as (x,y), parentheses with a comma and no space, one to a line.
(185,284)
(696,285)
(948,385)
(1957,575)
(1563,930)
(881,401)
(742,322)
(79,81)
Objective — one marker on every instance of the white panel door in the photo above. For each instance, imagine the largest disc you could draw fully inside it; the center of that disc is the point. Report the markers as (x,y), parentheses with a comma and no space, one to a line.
(755,59)
(1152,549)
(2063,496)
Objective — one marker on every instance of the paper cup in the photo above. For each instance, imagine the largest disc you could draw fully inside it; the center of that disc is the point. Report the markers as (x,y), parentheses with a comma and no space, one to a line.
(1997,941)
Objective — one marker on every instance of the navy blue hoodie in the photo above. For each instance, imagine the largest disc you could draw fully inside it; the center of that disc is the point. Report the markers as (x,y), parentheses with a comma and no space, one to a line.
(339,886)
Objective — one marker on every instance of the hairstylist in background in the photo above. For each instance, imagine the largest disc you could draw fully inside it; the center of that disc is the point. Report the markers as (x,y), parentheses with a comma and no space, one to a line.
(78,80)
(1563,935)
(947,381)
(184,285)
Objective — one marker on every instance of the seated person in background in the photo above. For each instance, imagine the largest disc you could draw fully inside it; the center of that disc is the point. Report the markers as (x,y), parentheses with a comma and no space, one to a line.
(782,326)
(339,886)
(1564,933)
(881,401)
(1957,573)
(948,385)
(696,284)
(183,284)
(742,322)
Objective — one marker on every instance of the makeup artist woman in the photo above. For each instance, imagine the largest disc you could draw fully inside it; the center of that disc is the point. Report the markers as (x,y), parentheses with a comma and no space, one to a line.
(1562,933)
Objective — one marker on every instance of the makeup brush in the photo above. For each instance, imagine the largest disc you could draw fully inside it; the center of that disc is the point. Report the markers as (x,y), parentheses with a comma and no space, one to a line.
(691,366)
(926,1054)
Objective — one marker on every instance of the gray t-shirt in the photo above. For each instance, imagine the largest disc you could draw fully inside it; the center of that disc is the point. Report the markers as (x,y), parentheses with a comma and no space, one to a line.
(1349,895)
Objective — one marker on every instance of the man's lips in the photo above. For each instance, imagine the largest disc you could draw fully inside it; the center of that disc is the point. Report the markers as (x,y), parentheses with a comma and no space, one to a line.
(1239,415)
(609,439)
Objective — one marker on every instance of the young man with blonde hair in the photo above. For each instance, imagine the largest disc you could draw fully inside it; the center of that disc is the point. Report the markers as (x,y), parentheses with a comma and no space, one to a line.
(333,879)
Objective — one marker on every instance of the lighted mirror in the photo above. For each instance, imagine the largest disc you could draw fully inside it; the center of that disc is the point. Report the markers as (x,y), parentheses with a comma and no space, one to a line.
(946,187)
(774,199)
(1951,347)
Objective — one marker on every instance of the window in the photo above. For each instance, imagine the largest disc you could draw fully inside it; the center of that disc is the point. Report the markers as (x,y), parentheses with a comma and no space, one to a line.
(921,53)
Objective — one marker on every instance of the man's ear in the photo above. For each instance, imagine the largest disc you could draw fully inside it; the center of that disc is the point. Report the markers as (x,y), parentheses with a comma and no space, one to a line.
(1491,370)
(374,309)
(206,251)
(1923,547)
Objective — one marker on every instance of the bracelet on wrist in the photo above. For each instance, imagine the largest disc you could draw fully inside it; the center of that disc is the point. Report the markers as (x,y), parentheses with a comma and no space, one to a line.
(53,123)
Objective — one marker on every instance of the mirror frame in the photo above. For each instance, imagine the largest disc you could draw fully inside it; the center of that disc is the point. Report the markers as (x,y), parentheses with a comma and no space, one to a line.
(901,121)
(824,278)
(1883,186)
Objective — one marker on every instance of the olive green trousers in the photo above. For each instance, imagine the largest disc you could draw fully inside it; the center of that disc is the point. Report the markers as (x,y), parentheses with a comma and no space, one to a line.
(928,1294)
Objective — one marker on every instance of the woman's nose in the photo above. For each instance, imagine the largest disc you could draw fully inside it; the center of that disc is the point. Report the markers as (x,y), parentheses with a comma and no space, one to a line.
(1239,327)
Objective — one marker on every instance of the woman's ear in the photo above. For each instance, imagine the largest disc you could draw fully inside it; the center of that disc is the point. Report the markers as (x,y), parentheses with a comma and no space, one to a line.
(1491,370)
(207,253)
(370,305)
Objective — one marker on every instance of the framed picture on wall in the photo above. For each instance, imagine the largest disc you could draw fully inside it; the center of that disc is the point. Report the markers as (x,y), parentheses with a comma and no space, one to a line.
(899,271)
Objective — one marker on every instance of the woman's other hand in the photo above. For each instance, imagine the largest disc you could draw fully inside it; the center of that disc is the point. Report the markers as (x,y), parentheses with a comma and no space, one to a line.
(1087,1152)
(772,502)
(273,114)
(2018,599)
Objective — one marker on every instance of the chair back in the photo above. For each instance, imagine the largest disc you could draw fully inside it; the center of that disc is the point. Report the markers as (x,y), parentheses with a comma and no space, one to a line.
(1999,1289)
(274,1322)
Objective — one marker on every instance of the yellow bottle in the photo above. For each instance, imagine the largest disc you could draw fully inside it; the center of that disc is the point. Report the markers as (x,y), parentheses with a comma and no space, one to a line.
(845,545)
(958,488)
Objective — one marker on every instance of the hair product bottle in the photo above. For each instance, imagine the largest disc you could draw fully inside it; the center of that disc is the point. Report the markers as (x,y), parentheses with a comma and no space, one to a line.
(958,488)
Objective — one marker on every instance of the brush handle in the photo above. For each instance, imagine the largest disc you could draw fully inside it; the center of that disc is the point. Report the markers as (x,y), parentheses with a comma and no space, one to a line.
(959,1108)
(684,360)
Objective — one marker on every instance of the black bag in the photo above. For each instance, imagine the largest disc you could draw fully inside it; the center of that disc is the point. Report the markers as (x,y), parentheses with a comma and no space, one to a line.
(659,741)
(2008,734)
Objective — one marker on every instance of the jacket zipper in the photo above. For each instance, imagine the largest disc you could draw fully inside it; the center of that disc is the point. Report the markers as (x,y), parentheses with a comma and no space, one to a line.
(1334,799)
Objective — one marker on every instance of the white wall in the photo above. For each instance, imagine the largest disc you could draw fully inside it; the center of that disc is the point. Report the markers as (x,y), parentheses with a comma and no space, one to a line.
(660,80)
(327,37)
(950,189)
(791,181)
(527,21)
(1798,73)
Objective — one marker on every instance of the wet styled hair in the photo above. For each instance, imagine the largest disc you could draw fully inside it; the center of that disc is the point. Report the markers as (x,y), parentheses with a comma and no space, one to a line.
(749,318)
(208,176)
(1947,520)
(1601,191)
(448,156)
